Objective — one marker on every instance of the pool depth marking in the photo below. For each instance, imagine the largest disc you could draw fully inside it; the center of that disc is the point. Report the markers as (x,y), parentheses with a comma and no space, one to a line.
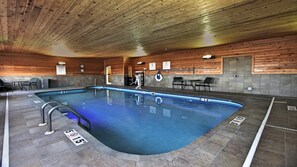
(5,153)
(237,120)
(75,137)
(291,108)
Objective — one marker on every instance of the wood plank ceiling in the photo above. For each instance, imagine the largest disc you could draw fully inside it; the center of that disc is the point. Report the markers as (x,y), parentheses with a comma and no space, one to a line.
(108,28)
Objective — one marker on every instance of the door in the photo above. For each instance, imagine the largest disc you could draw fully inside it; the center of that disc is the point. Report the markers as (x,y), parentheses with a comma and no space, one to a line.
(108,74)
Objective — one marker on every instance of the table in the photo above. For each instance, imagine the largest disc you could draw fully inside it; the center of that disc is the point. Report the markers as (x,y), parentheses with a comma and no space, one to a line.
(190,82)
(19,84)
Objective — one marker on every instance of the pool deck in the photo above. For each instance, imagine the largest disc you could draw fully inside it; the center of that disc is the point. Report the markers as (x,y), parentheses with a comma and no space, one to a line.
(225,145)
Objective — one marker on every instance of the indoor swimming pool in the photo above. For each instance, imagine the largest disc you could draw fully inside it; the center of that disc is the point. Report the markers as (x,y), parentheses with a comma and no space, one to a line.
(142,122)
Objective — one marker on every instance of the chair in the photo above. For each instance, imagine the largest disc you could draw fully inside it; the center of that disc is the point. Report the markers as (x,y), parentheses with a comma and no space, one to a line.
(178,81)
(31,83)
(206,83)
(5,85)
(34,82)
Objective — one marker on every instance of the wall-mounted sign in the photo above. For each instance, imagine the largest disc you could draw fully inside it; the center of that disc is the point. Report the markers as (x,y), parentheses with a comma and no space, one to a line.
(166,65)
(61,69)
(152,66)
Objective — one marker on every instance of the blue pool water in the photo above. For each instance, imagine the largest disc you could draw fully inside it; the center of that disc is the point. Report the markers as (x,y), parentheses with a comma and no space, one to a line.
(144,123)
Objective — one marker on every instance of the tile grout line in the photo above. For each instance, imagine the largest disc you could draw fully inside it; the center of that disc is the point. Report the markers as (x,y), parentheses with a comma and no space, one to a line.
(282,128)
(286,163)
(5,153)
(252,151)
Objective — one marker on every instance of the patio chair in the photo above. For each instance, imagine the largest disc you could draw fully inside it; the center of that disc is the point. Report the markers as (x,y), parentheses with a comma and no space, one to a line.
(206,83)
(5,85)
(31,83)
(34,82)
(178,81)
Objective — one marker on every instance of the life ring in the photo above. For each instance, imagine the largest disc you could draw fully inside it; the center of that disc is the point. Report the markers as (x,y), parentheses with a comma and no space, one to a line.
(158,76)
(158,100)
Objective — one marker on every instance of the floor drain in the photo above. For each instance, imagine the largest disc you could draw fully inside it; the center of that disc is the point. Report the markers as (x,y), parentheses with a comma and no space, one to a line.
(291,108)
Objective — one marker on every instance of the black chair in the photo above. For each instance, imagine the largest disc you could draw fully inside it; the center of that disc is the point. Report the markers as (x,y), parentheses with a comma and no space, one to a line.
(5,85)
(178,81)
(206,83)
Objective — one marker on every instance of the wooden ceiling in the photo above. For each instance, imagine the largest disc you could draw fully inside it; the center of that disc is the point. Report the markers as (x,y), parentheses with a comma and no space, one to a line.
(109,28)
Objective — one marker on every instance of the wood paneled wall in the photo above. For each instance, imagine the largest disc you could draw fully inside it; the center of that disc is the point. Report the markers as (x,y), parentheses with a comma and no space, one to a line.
(182,62)
(117,65)
(128,66)
(12,64)
(270,56)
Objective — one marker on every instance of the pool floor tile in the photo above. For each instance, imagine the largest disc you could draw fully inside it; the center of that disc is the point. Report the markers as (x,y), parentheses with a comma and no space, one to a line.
(201,158)
(226,160)
(212,147)
(61,159)
(268,158)
(237,147)
(25,157)
(159,163)
(219,139)
(273,146)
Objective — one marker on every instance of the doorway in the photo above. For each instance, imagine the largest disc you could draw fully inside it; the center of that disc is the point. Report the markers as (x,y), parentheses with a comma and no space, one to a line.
(108,74)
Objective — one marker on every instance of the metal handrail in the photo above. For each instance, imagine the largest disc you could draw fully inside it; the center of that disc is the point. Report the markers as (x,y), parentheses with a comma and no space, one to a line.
(49,118)
(42,123)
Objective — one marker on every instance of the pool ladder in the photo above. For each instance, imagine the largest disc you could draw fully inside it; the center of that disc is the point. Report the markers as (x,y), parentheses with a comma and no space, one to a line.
(55,108)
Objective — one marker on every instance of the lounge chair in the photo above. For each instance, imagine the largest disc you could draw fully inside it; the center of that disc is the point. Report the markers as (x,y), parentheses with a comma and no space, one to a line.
(5,85)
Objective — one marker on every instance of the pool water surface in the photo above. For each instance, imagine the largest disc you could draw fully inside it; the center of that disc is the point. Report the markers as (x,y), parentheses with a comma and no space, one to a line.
(144,123)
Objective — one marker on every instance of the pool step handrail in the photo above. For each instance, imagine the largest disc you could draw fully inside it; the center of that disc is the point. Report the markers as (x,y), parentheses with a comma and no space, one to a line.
(49,118)
(42,122)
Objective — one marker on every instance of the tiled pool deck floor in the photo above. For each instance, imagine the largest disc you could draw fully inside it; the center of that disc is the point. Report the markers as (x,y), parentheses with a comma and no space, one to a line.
(226,145)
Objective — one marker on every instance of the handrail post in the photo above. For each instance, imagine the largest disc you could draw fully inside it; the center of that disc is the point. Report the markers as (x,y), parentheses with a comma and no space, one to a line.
(42,119)
(49,118)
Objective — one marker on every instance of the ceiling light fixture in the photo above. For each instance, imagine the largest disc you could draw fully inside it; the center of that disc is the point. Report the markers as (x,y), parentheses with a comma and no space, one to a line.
(208,57)
(139,63)
(61,63)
